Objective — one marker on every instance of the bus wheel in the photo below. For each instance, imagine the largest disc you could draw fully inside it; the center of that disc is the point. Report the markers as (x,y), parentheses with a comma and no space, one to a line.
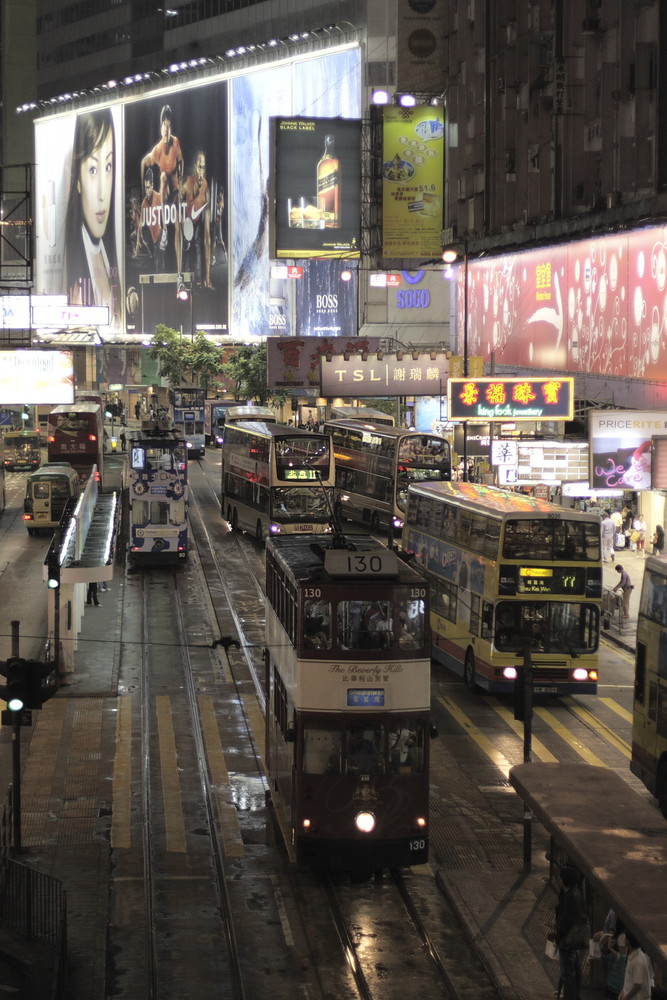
(469,670)
(259,534)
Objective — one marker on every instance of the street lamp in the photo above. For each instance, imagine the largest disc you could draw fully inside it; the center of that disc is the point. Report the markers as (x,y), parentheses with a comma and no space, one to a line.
(449,255)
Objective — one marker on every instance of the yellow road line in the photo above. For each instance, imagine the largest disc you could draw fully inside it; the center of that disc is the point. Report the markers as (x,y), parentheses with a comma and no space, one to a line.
(615,707)
(601,728)
(561,730)
(477,735)
(171,786)
(122,776)
(538,746)
(228,820)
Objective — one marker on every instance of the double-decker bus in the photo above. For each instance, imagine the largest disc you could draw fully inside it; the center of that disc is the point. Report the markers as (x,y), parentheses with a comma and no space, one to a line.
(215,414)
(649,717)
(263,413)
(21,450)
(157,482)
(76,435)
(375,465)
(509,574)
(366,413)
(348,701)
(276,479)
(189,419)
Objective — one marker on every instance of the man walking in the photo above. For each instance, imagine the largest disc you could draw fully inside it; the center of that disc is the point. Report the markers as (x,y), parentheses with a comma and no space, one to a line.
(626,587)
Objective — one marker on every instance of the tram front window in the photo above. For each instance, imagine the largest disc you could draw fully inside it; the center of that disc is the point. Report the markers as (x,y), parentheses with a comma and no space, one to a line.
(321,749)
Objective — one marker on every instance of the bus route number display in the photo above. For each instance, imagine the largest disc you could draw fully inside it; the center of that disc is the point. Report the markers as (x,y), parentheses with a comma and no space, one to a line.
(342,562)
(542,580)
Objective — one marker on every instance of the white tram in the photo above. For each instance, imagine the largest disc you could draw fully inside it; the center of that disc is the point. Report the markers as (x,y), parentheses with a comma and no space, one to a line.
(157,481)
(348,701)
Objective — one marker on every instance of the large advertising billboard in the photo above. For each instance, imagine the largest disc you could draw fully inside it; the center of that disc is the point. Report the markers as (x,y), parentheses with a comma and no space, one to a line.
(131,202)
(36,377)
(597,306)
(413,177)
(317,172)
(621,447)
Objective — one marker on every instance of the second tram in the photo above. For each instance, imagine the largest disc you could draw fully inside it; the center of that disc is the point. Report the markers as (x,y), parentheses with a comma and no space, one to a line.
(189,418)
(276,479)
(348,701)
(157,483)
(649,716)
(509,575)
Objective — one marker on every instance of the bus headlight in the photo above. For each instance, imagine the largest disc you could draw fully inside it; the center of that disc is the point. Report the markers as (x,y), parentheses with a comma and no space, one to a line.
(274,529)
(580,674)
(364,822)
(510,673)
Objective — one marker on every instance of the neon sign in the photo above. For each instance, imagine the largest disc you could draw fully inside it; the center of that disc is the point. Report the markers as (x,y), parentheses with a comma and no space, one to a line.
(510,398)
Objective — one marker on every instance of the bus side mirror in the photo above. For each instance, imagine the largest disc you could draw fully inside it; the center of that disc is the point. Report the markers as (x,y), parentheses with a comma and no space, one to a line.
(433,729)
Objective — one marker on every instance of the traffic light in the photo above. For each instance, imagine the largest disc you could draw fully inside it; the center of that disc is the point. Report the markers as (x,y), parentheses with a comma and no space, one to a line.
(24,683)
(16,692)
(52,569)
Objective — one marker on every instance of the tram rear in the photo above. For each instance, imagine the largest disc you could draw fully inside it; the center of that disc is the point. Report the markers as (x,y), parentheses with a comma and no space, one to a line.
(348,701)
(157,488)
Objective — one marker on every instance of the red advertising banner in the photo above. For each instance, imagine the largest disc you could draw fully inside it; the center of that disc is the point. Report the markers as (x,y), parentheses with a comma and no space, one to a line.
(597,306)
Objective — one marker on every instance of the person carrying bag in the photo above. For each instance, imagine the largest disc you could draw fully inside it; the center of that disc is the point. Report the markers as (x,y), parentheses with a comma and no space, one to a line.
(572,933)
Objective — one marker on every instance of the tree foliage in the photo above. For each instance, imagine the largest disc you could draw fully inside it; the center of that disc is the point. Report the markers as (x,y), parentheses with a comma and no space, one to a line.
(191,360)
(247,369)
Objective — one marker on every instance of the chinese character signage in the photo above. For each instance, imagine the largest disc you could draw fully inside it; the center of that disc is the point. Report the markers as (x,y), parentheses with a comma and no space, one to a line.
(317,171)
(294,362)
(510,398)
(389,376)
(413,172)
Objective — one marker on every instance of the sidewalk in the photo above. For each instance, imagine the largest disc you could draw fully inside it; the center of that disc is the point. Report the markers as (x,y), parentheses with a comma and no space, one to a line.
(633,563)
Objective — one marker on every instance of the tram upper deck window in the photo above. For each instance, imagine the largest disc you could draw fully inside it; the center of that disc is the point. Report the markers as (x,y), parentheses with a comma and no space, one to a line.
(317,624)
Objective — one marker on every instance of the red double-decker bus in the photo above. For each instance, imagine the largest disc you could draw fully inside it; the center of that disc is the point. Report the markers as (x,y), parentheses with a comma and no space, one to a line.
(76,435)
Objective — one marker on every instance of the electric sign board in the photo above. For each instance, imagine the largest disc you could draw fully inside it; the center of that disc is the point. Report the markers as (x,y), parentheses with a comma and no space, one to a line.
(498,399)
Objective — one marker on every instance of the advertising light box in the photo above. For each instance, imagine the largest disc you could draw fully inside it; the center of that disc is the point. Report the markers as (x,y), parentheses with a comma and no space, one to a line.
(388,376)
(498,399)
(36,377)
(317,174)
(621,447)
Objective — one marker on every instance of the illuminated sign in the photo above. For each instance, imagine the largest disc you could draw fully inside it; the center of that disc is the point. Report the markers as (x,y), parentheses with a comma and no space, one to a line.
(546,580)
(317,171)
(299,474)
(390,376)
(621,449)
(340,562)
(294,362)
(55,316)
(36,377)
(510,398)
(16,310)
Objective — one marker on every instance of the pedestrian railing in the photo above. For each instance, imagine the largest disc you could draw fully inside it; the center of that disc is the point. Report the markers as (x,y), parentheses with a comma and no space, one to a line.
(612,609)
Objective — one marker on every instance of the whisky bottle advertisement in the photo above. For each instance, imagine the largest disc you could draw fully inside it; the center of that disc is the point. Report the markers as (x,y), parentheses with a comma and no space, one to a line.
(328,185)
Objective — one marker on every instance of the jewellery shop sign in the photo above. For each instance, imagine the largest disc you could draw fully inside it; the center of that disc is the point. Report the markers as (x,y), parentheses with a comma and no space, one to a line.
(390,375)
(510,398)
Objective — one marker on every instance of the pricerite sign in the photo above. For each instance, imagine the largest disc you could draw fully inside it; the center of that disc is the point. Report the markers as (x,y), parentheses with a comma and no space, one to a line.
(510,398)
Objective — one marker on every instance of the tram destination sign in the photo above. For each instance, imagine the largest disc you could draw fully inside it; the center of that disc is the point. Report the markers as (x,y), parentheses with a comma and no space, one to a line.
(498,399)
(406,374)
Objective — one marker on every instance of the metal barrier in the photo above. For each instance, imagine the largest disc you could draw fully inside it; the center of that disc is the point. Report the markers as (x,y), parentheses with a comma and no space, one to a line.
(612,608)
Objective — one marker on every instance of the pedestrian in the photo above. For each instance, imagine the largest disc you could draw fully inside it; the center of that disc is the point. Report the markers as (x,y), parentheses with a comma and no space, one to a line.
(608,536)
(658,540)
(92,597)
(137,409)
(639,527)
(626,587)
(123,440)
(638,981)
(572,933)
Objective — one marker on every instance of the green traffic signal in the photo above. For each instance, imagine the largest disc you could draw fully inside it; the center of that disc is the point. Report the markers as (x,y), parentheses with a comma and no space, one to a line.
(17,689)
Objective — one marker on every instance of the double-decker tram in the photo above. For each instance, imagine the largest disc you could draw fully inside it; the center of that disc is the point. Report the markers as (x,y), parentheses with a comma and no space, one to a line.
(276,479)
(348,701)
(510,575)
(375,465)
(649,716)
(189,418)
(21,450)
(157,484)
(76,435)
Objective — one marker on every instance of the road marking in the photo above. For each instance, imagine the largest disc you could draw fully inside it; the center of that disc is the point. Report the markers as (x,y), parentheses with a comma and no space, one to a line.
(537,745)
(561,730)
(171,785)
(601,728)
(476,734)
(121,785)
(615,707)
(228,819)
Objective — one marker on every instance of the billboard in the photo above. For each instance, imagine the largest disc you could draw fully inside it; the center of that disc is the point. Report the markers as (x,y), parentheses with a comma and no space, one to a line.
(500,399)
(36,377)
(413,175)
(620,447)
(294,362)
(597,306)
(389,375)
(124,207)
(316,168)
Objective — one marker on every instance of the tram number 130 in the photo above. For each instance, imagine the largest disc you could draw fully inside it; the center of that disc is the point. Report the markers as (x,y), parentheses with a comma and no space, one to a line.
(417,845)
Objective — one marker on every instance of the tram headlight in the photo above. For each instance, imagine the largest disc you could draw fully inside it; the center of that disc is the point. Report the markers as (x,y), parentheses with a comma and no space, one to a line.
(421,822)
(364,822)
(510,673)
(306,824)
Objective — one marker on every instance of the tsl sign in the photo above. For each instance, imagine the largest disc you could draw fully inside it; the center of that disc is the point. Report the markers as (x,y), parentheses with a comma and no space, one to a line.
(389,376)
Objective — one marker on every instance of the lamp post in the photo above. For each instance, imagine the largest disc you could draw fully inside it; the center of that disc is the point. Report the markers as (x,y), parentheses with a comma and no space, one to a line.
(449,255)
